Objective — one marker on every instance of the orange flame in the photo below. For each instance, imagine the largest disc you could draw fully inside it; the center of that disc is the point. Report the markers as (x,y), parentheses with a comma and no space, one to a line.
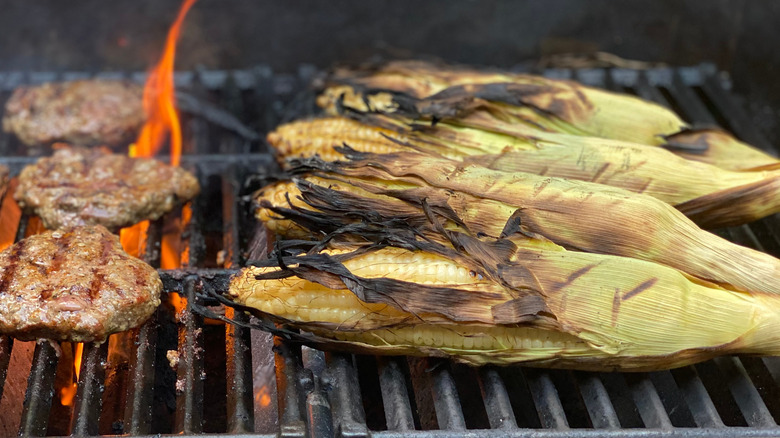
(174,253)
(162,120)
(10,213)
(68,393)
(159,100)
(263,396)
(34,226)
(133,238)
(179,302)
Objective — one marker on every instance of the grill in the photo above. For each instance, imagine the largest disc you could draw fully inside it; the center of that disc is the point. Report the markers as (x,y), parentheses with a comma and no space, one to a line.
(234,381)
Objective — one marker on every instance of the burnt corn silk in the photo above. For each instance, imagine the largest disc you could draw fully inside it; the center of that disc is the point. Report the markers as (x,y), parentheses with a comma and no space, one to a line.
(503,302)
(475,98)
(581,216)
(712,197)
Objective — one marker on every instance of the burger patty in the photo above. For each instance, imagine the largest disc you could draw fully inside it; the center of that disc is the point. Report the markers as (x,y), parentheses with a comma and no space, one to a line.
(78,186)
(88,112)
(76,285)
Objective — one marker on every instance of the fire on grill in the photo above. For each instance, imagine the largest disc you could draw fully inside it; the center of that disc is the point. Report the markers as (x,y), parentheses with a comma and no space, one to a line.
(438,212)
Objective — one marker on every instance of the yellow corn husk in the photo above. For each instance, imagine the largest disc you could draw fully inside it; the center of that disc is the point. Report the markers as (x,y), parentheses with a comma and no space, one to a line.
(282,194)
(575,214)
(321,137)
(307,138)
(285,195)
(540,307)
(553,105)
(726,198)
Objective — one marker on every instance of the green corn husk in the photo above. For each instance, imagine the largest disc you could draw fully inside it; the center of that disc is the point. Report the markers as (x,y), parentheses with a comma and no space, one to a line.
(711,196)
(577,215)
(474,97)
(494,302)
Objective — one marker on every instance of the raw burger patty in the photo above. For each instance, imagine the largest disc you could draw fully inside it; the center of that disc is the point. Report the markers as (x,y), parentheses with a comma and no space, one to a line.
(79,186)
(88,112)
(75,285)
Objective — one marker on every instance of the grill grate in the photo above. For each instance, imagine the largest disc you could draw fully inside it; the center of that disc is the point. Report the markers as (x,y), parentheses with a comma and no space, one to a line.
(230,381)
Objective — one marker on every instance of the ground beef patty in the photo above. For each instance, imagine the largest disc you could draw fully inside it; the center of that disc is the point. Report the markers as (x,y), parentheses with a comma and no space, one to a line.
(76,285)
(88,112)
(79,186)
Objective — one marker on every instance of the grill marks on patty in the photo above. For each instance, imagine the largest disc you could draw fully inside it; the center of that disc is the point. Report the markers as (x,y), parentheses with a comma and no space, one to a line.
(78,186)
(97,275)
(12,261)
(75,285)
(62,244)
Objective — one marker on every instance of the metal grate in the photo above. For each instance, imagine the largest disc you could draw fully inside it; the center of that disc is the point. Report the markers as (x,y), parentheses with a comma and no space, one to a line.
(230,381)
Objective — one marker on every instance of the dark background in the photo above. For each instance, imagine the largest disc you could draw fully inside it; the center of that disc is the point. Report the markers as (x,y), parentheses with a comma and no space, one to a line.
(739,36)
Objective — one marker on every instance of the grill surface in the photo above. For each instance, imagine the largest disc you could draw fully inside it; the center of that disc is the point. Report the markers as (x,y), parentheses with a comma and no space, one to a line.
(233,381)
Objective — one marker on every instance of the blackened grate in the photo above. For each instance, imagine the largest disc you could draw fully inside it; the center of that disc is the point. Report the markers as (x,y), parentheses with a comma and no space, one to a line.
(230,381)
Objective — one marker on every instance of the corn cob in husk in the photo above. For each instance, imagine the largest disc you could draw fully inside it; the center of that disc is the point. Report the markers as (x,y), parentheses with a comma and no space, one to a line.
(712,197)
(279,202)
(443,93)
(577,215)
(499,303)
(307,138)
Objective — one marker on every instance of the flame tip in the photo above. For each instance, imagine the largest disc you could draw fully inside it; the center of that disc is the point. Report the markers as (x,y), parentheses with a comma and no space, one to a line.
(159,99)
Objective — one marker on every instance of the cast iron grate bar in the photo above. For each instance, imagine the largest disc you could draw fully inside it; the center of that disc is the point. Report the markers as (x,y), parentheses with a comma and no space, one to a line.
(643,89)
(621,78)
(497,403)
(230,217)
(240,411)
(40,390)
(760,370)
(647,401)
(557,73)
(319,417)
(596,398)
(673,399)
(445,397)
(737,121)
(773,366)
(86,414)
(289,389)
(349,419)
(590,76)
(546,399)
(688,104)
(140,391)
(189,386)
(395,395)
(138,410)
(745,394)
(698,399)
(190,369)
